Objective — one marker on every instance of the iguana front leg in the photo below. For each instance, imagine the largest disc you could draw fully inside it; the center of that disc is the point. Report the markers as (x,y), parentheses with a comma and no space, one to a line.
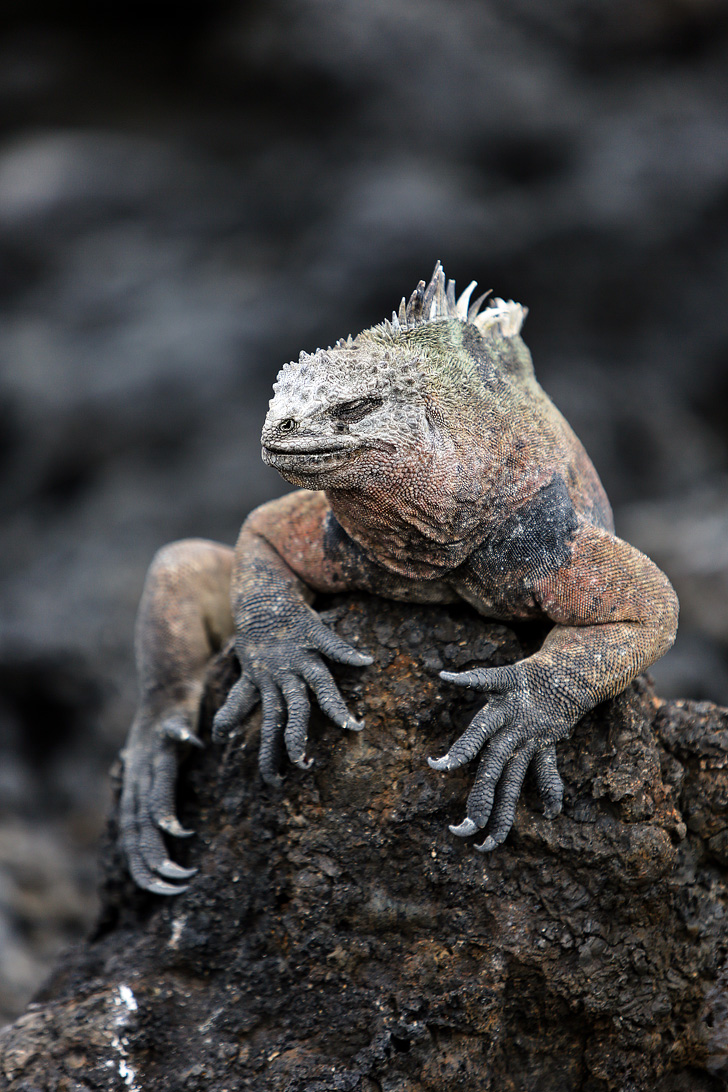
(288,550)
(615,614)
(279,642)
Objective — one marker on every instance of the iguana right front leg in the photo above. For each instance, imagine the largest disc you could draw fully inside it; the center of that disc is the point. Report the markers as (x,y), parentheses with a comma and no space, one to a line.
(289,549)
(279,642)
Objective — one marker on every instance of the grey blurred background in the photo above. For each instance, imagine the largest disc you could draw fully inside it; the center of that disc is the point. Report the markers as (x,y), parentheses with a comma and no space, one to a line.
(191,194)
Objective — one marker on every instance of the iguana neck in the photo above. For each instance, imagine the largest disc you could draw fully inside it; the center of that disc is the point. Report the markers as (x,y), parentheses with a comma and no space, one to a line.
(422,517)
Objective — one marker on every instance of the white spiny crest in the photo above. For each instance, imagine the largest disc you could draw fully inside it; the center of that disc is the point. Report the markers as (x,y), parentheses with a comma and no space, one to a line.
(328,376)
(436,300)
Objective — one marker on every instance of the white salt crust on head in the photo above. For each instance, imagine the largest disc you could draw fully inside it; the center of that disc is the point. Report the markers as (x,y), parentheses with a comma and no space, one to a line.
(317,380)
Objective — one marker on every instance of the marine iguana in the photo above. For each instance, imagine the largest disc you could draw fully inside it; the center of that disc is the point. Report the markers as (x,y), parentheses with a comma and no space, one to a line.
(432,468)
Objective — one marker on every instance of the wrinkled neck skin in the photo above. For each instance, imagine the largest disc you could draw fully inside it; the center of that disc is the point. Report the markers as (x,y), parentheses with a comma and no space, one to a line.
(422,511)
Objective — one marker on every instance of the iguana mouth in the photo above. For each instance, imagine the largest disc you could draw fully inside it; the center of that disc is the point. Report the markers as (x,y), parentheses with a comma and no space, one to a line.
(311,448)
(308,459)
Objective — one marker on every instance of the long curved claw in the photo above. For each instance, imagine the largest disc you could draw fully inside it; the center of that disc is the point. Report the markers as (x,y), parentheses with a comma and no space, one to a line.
(171,825)
(493,680)
(333,646)
(483,727)
(152,881)
(171,871)
(152,848)
(506,800)
(548,781)
(321,681)
(464,829)
(240,701)
(177,730)
(295,735)
(159,887)
(152,878)
(269,750)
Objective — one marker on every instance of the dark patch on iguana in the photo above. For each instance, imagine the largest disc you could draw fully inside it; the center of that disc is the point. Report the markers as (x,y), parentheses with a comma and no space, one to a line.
(432,468)
(536,539)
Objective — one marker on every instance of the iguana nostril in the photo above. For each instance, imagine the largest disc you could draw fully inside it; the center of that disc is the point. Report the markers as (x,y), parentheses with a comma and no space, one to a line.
(289,425)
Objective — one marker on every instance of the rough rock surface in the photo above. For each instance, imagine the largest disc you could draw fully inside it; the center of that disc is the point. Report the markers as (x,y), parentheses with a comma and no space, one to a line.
(337,937)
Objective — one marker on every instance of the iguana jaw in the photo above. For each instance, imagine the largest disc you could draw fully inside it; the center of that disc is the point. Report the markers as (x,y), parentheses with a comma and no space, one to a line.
(311,459)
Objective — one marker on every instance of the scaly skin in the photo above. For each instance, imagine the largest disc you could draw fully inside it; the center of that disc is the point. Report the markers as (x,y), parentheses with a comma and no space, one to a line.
(433,469)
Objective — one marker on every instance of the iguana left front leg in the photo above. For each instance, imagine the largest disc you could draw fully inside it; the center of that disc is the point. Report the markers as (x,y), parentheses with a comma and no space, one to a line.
(615,614)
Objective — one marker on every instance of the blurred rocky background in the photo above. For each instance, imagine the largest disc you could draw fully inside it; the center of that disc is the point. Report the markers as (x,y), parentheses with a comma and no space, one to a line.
(191,194)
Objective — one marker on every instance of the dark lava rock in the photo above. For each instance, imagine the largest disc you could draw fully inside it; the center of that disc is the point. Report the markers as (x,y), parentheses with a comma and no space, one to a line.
(337,937)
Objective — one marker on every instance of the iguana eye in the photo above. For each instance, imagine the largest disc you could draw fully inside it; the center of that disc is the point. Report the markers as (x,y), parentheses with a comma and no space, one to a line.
(356,409)
(289,425)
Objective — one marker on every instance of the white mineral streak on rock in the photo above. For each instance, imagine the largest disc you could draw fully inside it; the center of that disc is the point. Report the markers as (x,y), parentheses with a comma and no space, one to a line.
(127,1003)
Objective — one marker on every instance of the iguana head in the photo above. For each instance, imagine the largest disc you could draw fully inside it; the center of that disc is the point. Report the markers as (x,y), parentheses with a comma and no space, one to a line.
(395,395)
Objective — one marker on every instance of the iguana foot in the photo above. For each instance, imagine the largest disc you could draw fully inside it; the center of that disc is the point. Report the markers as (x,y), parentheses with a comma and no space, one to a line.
(517,728)
(151,759)
(280,674)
